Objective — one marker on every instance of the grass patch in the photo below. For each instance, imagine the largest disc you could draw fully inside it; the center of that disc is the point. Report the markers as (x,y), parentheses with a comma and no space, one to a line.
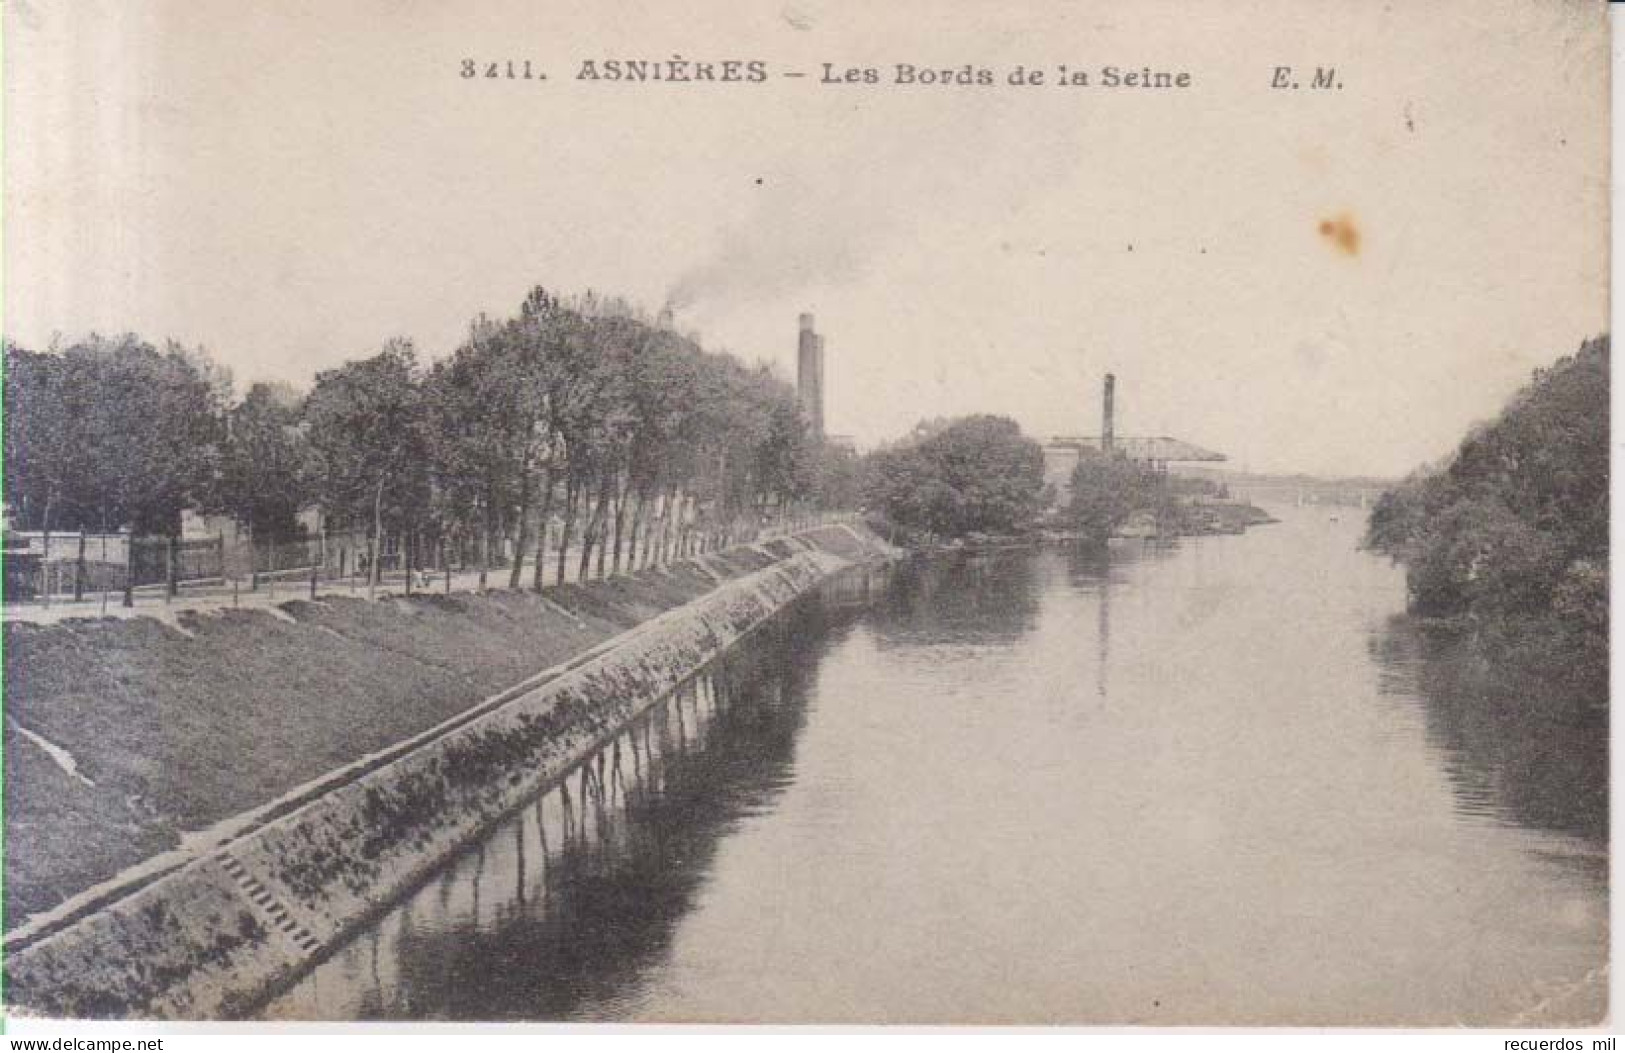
(178,732)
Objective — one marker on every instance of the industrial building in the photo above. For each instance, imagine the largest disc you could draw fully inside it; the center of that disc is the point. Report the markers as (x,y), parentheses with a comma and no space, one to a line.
(1061,452)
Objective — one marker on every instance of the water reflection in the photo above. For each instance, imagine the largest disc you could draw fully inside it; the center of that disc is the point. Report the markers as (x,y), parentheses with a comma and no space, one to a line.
(558,913)
(1213,782)
(982,598)
(1519,750)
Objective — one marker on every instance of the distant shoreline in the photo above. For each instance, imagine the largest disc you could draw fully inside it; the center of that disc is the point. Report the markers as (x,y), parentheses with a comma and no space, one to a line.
(1228,518)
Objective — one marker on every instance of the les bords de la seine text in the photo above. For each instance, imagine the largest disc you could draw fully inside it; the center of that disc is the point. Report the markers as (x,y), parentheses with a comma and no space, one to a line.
(678,70)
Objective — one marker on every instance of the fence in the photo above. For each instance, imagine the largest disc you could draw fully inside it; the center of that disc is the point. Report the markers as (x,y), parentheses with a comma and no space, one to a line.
(39,566)
(160,561)
(59,568)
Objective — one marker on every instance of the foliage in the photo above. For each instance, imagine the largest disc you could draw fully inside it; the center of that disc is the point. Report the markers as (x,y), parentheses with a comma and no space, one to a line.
(265,462)
(108,433)
(837,477)
(367,438)
(1514,528)
(487,424)
(583,412)
(578,413)
(976,474)
(1107,488)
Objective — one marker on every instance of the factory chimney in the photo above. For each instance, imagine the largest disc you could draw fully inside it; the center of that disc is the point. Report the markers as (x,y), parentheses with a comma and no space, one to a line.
(810,375)
(1108,419)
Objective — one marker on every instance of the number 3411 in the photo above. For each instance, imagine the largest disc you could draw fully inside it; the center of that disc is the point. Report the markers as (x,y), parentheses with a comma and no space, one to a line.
(502,69)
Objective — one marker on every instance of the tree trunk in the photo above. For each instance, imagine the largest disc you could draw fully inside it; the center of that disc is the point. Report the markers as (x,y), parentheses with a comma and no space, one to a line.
(129,567)
(674,525)
(172,568)
(373,574)
(572,496)
(588,536)
(647,534)
(45,544)
(522,536)
(655,532)
(663,537)
(620,522)
(484,553)
(632,539)
(541,530)
(605,498)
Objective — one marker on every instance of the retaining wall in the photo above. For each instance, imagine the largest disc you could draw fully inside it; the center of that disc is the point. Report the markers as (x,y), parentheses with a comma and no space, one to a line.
(210,939)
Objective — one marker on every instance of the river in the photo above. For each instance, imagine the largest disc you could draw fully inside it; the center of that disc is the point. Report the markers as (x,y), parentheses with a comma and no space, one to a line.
(1217,781)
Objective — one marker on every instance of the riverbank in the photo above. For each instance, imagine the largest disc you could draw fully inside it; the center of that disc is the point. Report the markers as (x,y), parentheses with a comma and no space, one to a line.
(1193,519)
(1220,517)
(267,893)
(123,735)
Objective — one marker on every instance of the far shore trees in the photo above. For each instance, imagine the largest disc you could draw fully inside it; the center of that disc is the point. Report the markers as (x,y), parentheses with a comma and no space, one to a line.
(1512,533)
(1108,488)
(973,475)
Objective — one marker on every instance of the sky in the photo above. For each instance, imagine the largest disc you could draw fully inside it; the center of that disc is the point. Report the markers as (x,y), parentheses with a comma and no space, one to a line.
(1338,281)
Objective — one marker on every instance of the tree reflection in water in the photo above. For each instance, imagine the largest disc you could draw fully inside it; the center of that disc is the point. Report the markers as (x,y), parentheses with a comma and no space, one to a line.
(1520,749)
(996,599)
(632,841)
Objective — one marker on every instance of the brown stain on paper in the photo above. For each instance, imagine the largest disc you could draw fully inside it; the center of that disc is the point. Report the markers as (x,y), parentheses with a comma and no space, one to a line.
(1343,233)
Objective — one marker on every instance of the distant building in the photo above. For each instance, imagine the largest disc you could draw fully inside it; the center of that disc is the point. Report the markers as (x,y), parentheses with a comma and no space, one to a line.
(810,375)
(1062,452)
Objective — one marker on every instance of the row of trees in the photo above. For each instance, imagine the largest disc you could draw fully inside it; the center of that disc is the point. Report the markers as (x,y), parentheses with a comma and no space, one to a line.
(1513,529)
(577,413)
(110,433)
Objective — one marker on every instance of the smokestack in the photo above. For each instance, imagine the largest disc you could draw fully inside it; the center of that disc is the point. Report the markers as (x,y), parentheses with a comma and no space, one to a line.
(1108,419)
(818,418)
(810,375)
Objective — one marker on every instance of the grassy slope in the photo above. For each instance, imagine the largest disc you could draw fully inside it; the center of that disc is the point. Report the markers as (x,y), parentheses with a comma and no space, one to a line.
(177,733)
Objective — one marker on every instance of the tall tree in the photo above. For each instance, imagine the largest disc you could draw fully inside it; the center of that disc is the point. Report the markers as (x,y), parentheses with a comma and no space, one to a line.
(112,433)
(265,463)
(366,431)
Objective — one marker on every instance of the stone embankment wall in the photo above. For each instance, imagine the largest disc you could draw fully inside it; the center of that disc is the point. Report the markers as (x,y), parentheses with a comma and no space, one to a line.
(211,938)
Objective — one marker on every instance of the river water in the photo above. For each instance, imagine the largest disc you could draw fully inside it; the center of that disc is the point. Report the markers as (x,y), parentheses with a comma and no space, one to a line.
(1217,781)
